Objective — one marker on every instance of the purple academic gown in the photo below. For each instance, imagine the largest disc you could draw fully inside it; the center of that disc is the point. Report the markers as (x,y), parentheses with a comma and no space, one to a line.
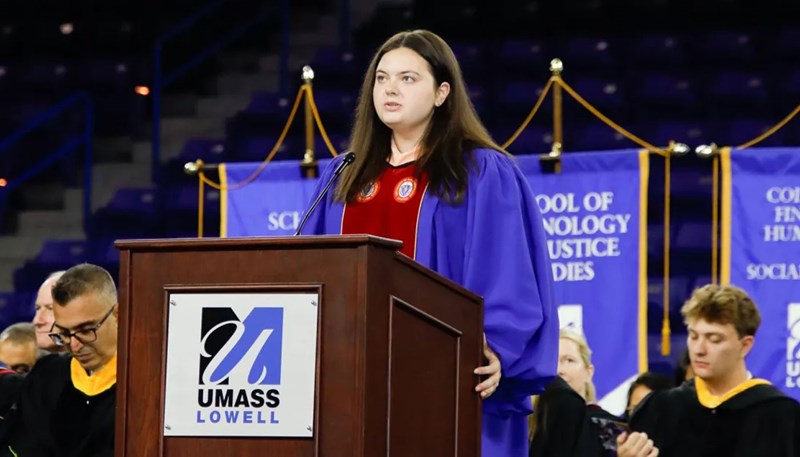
(493,244)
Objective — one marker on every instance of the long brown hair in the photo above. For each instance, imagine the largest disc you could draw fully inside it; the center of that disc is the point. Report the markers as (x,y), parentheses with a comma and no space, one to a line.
(454,128)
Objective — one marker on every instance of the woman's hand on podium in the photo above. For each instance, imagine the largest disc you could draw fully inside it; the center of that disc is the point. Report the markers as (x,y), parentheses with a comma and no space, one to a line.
(492,370)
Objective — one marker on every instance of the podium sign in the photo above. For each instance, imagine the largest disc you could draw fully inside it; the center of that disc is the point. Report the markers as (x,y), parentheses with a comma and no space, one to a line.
(241,364)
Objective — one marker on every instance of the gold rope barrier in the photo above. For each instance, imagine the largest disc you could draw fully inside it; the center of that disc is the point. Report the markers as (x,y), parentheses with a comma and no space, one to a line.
(200,206)
(715,219)
(772,130)
(558,120)
(608,121)
(665,327)
(311,107)
(318,120)
(270,156)
(531,114)
(308,157)
(557,115)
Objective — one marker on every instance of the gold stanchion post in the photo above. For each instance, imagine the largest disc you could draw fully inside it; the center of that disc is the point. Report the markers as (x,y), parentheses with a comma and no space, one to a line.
(309,164)
(552,161)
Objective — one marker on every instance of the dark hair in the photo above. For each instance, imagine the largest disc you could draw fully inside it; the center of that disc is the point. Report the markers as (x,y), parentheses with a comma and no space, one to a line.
(454,128)
(653,381)
(683,366)
(85,279)
(724,304)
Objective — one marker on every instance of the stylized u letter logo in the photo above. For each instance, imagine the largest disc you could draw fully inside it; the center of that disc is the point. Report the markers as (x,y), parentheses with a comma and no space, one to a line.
(252,355)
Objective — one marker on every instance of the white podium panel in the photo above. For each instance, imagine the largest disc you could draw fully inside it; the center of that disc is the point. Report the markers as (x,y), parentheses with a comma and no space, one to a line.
(241,364)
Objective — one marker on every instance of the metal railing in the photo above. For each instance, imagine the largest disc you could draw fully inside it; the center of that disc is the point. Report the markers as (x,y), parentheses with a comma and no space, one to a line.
(66,148)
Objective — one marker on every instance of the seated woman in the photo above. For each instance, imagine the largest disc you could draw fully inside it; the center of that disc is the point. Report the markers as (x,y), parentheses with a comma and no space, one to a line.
(566,420)
(642,387)
(684,371)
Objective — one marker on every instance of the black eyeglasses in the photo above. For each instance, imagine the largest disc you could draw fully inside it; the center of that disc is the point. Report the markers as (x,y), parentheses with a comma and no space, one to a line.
(84,335)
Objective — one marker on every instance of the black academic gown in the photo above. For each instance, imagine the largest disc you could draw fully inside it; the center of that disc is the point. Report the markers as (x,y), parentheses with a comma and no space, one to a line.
(566,425)
(758,422)
(10,384)
(53,418)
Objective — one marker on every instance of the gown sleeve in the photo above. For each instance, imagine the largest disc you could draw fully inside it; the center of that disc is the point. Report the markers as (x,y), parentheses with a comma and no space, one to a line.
(506,262)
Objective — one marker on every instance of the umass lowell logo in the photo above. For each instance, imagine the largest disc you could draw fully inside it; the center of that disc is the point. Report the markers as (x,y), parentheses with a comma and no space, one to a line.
(241,350)
(241,364)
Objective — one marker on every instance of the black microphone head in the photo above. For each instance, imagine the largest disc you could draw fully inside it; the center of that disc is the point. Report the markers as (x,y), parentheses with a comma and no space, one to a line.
(349,157)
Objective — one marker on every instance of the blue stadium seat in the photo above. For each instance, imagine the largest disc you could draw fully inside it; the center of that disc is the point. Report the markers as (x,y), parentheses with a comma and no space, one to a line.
(726,48)
(790,83)
(688,132)
(210,150)
(131,213)
(588,53)
(252,148)
(741,86)
(521,94)
(16,307)
(602,93)
(270,103)
(739,131)
(535,139)
(517,59)
(337,69)
(595,137)
(659,51)
(471,57)
(668,90)
(786,45)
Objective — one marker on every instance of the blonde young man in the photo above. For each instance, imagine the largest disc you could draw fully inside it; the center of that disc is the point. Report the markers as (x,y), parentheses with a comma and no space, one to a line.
(724,410)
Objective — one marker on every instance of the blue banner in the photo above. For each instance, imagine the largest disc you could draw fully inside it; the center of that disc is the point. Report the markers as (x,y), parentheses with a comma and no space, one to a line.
(595,218)
(271,205)
(760,253)
(595,215)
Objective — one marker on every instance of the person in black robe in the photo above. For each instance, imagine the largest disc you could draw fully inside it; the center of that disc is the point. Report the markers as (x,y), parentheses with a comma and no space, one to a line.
(66,404)
(10,384)
(757,421)
(56,415)
(559,414)
(723,411)
(645,384)
(566,421)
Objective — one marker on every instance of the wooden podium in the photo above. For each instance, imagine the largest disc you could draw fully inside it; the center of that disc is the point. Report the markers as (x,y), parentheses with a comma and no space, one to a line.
(396,345)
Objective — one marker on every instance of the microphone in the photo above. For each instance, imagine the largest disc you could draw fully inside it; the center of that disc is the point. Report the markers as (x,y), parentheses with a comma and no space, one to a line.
(349,157)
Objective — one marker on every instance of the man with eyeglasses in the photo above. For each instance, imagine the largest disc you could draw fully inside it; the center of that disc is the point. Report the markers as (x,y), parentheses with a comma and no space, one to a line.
(67,402)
